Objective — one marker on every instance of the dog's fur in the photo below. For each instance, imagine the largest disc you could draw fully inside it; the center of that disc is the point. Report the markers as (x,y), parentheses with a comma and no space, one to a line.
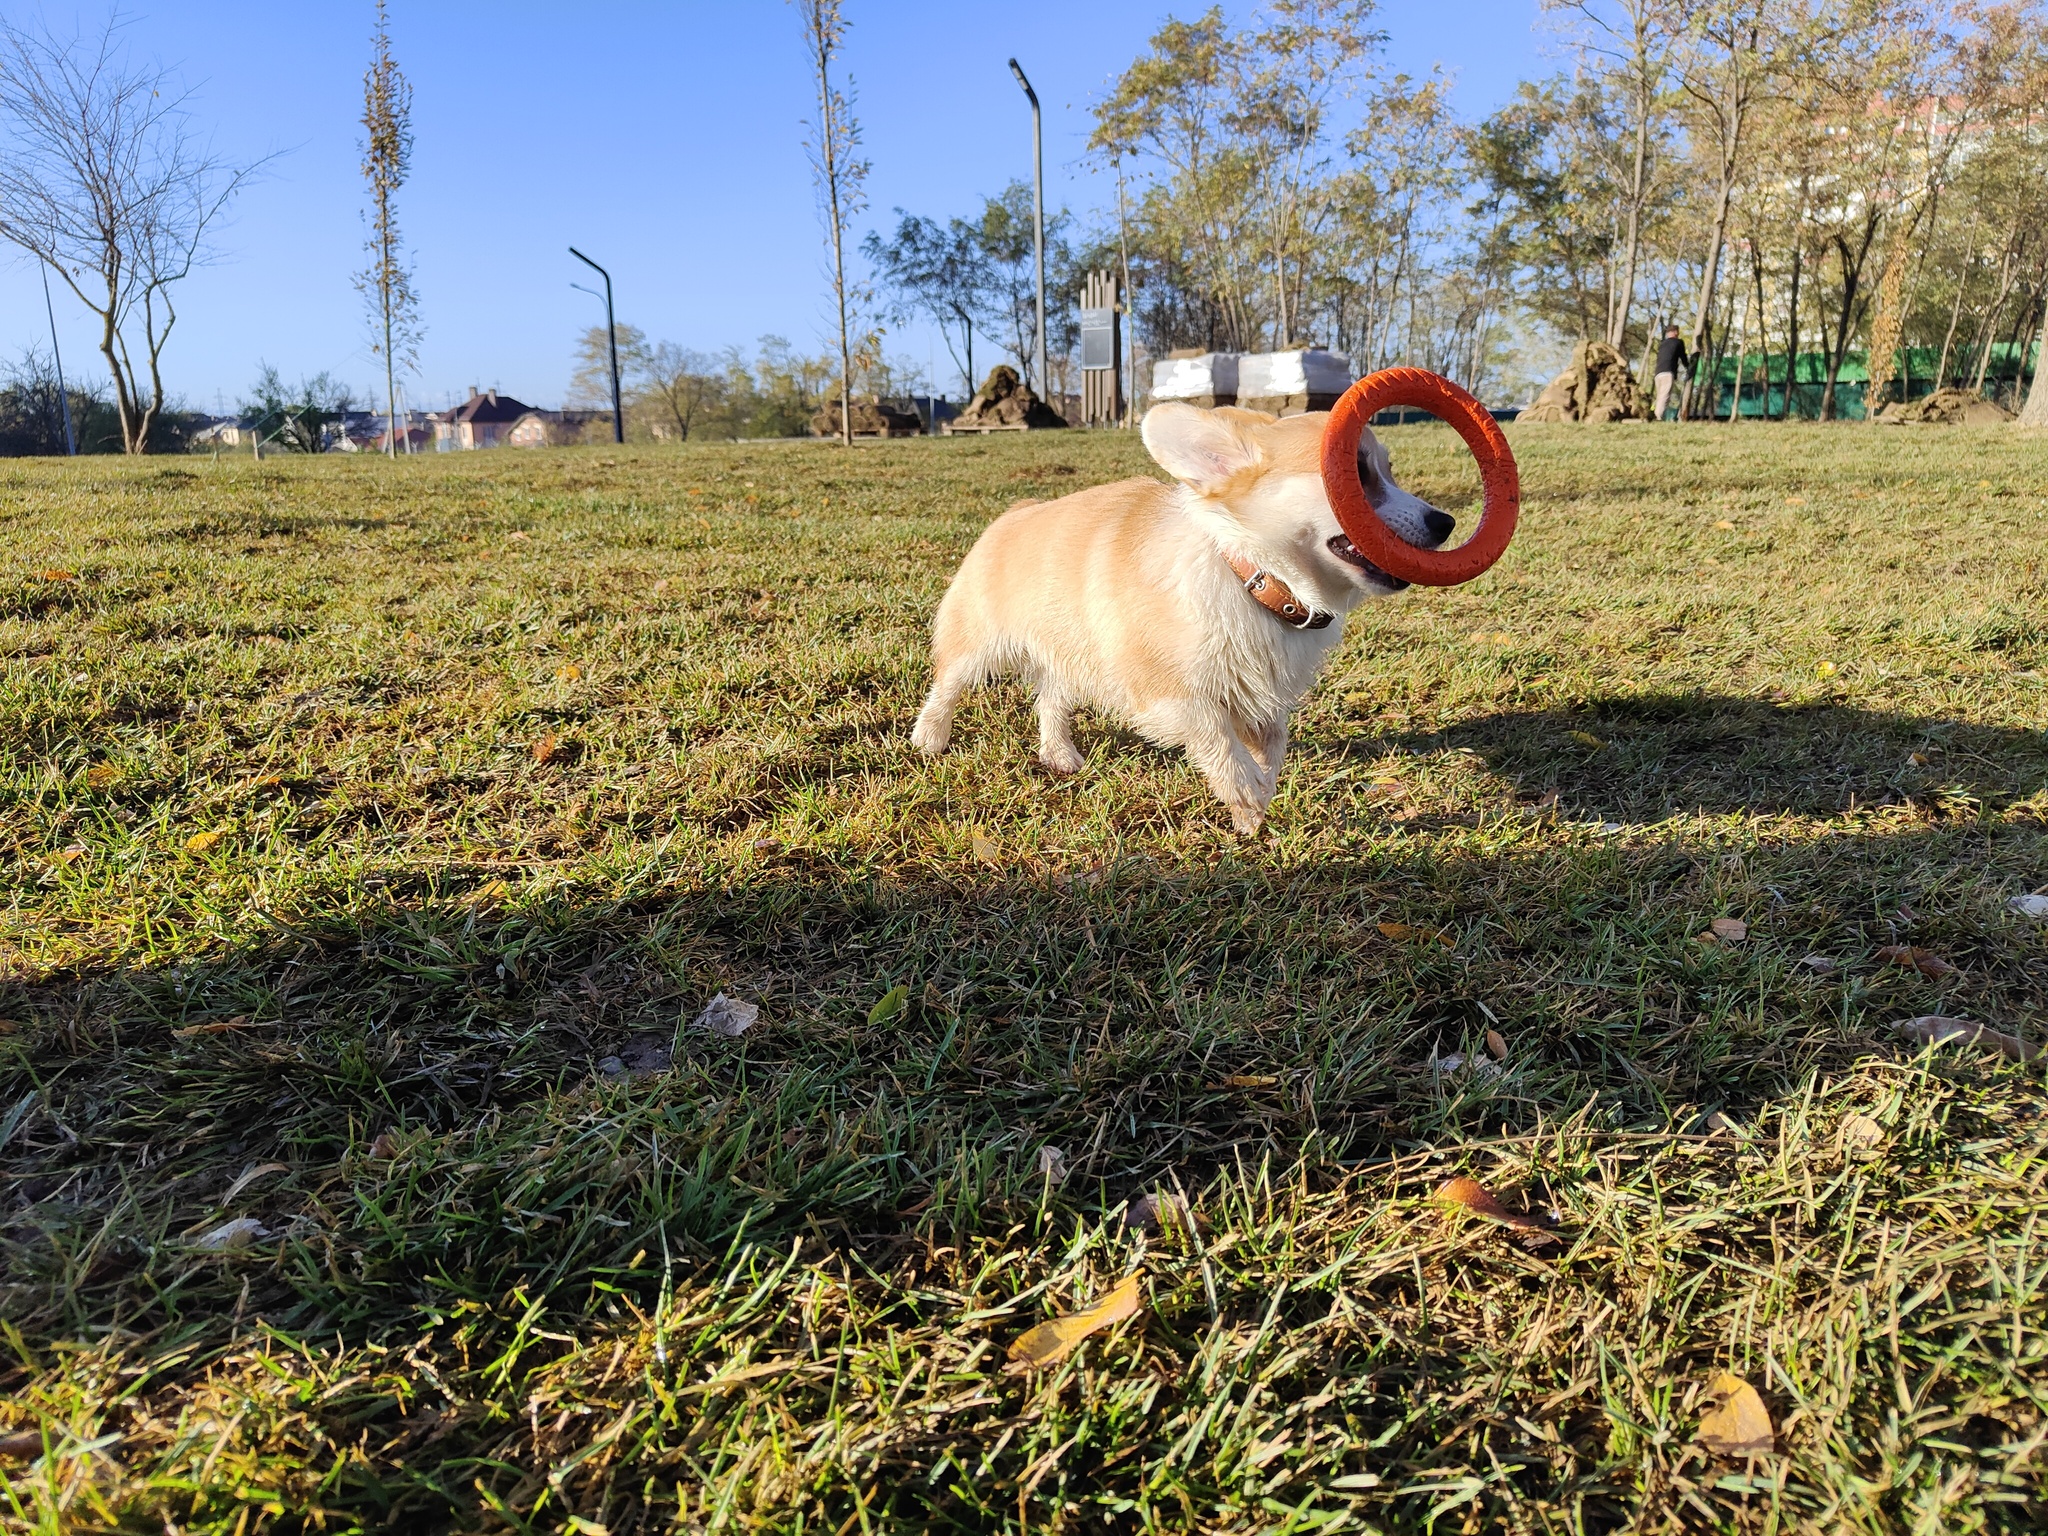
(1120,597)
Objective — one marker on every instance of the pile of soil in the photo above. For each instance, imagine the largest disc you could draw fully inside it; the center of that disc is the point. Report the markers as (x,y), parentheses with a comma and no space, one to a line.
(871,418)
(1002,403)
(1948,408)
(1597,387)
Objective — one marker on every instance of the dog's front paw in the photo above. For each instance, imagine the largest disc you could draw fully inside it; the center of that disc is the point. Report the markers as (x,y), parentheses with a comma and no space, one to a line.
(930,737)
(1247,819)
(1063,758)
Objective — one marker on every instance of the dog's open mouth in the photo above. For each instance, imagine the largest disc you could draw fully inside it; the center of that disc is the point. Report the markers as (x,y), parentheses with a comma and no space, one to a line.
(1347,551)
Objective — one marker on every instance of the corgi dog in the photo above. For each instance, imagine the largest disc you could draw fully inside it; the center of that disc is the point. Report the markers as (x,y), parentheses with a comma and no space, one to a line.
(1198,612)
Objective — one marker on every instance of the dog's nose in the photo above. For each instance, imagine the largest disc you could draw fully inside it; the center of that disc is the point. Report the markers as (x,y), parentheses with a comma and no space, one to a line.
(1439,524)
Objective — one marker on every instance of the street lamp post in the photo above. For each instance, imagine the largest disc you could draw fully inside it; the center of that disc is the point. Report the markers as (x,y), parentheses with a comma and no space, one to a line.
(611,329)
(1037,215)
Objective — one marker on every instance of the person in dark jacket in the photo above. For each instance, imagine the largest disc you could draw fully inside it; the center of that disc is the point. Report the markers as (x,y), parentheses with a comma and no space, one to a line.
(1671,356)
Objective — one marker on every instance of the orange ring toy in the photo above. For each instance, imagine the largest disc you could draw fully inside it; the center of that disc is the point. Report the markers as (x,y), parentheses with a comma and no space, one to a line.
(1437,395)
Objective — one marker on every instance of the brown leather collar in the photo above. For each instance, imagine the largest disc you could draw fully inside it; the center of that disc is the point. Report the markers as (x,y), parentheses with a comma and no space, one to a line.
(1275,596)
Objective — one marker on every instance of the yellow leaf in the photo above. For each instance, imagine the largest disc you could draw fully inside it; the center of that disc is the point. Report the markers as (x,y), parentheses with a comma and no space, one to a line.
(1861,1136)
(518,536)
(1502,637)
(1917,759)
(71,853)
(985,847)
(1248,1080)
(1724,525)
(544,749)
(1983,485)
(1730,930)
(1737,1423)
(1051,1342)
(201,842)
(1403,932)
(58,575)
(413,637)
(569,672)
(1477,1199)
(215,1027)
(1795,501)
(891,1007)
(100,775)
(1825,669)
(1586,739)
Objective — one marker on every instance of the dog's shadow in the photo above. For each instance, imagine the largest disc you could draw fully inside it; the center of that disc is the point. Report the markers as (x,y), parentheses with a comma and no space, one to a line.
(1645,757)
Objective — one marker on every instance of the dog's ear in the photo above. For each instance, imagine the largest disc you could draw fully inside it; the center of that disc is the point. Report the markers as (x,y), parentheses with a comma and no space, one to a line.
(1204,450)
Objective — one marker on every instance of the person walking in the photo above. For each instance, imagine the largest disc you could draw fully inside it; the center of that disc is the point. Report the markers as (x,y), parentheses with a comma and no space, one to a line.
(1671,356)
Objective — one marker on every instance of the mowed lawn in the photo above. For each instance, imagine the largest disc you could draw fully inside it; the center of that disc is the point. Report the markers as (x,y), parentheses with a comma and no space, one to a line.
(371,835)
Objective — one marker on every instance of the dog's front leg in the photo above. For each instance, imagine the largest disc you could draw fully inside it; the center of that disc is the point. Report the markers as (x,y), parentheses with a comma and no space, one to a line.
(1270,748)
(1237,778)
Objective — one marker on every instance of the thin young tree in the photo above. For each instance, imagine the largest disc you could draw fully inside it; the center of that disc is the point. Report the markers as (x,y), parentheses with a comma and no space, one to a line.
(104,177)
(840,173)
(387,158)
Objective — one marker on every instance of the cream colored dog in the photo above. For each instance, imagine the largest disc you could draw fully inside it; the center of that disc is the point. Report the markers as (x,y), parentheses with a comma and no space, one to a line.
(1199,612)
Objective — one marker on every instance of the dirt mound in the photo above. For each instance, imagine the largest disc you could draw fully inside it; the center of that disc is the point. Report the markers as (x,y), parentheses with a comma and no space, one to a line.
(1948,408)
(871,418)
(1597,387)
(1003,403)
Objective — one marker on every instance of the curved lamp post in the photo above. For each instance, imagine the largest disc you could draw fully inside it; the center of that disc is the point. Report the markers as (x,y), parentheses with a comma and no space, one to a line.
(1037,214)
(611,330)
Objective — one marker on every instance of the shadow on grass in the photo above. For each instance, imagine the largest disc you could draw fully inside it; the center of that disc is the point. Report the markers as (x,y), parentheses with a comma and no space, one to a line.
(1656,755)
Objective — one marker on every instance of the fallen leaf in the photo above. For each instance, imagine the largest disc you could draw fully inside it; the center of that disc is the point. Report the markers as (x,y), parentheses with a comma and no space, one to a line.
(1860,1136)
(1936,1029)
(544,749)
(261,781)
(385,1146)
(412,637)
(568,672)
(1052,1165)
(1983,485)
(1404,932)
(71,853)
(201,842)
(1913,958)
(1737,1423)
(239,1233)
(216,1026)
(58,575)
(1502,637)
(1820,965)
(727,1016)
(9,1026)
(1475,1197)
(1724,525)
(518,536)
(1248,1080)
(1917,759)
(985,847)
(1795,501)
(1051,1342)
(100,775)
(893,1003)
(1729,930)
(2029,906)
(765,846)
(1496,1046)
(1720,1120)
(22,1445)
(1155,1213)
(250,1175)
(1587,739)
(1825,669)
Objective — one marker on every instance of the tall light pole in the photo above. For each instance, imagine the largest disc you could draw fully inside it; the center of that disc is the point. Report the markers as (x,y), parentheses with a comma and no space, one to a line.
(63,395)
(1037,215)
(611,329)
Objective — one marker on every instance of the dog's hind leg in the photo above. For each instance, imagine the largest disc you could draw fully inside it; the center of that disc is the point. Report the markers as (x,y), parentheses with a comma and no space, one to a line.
(952,676)
(1056,747)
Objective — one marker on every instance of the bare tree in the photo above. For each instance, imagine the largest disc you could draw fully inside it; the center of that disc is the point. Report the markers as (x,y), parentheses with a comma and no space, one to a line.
(103,176)
(1638,40)
(834,147)
(387,158)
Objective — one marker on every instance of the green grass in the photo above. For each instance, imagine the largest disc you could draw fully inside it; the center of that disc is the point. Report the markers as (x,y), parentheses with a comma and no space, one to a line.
(1793,675)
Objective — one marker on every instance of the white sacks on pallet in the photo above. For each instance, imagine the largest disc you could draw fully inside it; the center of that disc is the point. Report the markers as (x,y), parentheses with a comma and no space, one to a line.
(1285,383)
(1202,378)
(1288,383)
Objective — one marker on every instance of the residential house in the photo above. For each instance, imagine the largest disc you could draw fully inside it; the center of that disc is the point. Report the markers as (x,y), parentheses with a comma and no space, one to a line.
(482,421)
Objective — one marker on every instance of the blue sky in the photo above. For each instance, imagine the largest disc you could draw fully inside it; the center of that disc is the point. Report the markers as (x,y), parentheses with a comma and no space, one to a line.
(663,139)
